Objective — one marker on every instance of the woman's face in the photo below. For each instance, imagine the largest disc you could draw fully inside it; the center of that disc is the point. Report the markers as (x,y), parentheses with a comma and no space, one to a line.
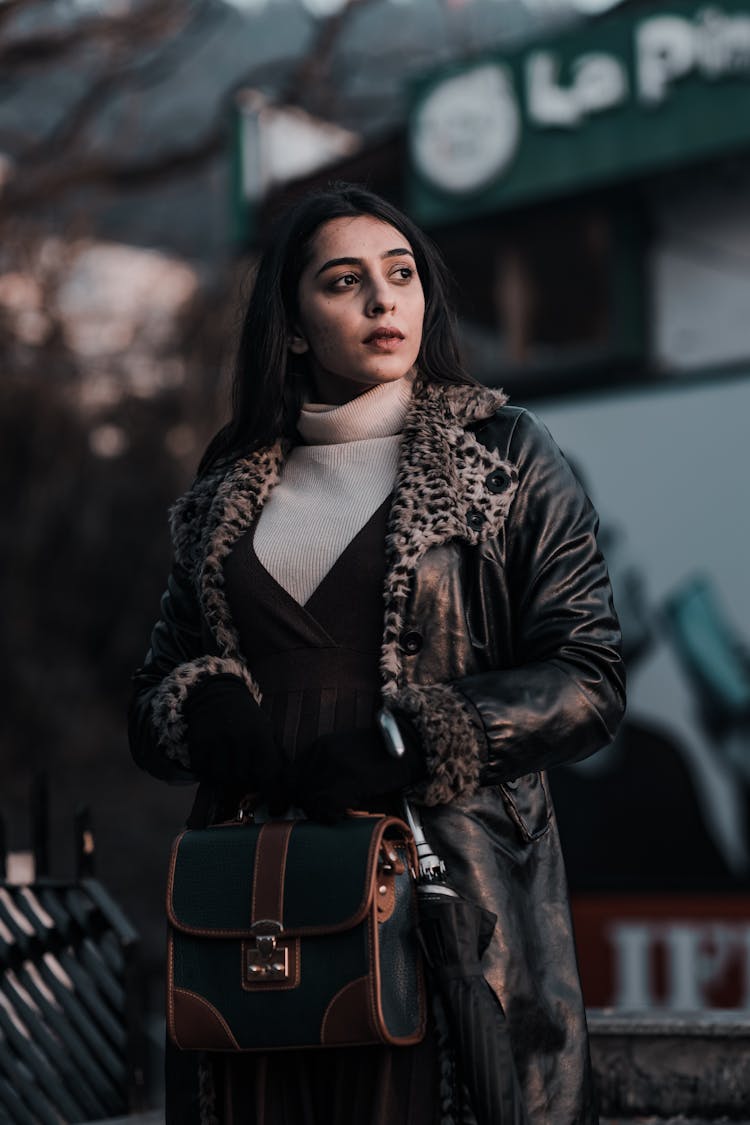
(361,307)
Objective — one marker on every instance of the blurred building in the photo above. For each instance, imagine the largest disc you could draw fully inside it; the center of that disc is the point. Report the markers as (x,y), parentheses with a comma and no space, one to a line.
(588,188)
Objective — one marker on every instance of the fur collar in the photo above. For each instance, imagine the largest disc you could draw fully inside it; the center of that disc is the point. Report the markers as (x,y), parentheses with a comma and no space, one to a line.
(448,486)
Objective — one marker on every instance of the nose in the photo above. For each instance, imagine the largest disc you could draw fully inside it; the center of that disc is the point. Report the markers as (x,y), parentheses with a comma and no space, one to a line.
(381,299)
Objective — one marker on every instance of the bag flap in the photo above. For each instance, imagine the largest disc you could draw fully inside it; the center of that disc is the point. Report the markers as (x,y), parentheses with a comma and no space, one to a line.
(321,877)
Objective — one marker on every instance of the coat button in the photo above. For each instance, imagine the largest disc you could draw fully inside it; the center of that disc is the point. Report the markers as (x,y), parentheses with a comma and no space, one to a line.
(475,519)
(498,481)
(411,641)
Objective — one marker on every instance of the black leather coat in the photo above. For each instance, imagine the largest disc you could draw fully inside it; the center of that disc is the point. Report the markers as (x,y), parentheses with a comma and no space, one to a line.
(501,643)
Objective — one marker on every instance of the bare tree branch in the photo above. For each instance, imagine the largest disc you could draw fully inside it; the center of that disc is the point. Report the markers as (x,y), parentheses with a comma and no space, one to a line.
(61,161)
(309,84)
(11,7)
(65,134)
(154,21)
(25,193)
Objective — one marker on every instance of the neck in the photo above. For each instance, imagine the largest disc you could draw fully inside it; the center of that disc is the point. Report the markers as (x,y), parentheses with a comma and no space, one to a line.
(335,390)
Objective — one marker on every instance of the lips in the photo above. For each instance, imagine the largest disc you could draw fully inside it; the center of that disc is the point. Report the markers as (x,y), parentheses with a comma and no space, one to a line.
(383,335)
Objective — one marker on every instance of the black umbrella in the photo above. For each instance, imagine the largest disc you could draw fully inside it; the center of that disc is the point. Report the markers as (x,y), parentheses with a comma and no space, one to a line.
(454,934)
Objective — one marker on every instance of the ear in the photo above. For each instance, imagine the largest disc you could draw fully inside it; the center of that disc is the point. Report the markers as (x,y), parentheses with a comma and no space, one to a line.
(297,342)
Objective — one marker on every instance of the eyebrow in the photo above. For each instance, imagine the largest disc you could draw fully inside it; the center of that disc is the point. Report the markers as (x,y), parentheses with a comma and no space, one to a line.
(398,252)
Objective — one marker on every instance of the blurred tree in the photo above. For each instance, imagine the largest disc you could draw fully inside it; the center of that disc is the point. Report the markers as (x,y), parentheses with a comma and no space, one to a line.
(110,45)
(110,357)
(113,358)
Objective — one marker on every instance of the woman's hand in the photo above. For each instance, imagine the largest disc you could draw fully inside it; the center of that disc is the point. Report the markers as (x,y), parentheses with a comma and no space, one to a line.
(346,770)
(230,740)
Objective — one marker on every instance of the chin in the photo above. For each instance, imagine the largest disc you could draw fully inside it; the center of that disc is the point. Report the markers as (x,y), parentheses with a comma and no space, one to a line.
(386,376)
(383,381)
(331,385)
(389,377)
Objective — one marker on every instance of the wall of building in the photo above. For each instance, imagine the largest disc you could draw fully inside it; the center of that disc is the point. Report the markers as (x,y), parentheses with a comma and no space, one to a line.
(664,811)
(699,267)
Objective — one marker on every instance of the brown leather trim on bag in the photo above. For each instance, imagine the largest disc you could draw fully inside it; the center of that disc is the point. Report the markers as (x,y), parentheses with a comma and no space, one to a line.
(200,1024)
(375,990)
(385,895)
(206,1028)
(270,871)
(170,877)
(346,1018)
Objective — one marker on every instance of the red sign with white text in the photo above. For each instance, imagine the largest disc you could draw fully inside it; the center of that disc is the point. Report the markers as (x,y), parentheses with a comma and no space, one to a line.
(667,952)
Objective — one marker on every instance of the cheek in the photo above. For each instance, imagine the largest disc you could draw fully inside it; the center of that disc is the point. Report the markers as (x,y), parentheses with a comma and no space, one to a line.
(416,306)
(327,329)
(324,339)
(417,316)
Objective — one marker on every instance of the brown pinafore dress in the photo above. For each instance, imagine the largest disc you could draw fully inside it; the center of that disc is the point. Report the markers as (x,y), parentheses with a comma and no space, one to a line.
(318,669)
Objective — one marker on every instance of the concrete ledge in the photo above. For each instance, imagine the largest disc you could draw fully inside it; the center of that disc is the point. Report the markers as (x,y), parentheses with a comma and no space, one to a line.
(156,1117)
(651,1068)
(668,1064)
(153,1117)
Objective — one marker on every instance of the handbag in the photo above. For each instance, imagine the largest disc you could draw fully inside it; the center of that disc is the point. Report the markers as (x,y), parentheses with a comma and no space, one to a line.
(292,933)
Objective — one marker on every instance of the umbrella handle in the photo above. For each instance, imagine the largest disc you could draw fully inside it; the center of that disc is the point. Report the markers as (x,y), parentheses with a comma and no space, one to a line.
(431,866)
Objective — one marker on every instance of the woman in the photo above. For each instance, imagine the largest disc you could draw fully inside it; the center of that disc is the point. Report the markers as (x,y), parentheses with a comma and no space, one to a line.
(372,527)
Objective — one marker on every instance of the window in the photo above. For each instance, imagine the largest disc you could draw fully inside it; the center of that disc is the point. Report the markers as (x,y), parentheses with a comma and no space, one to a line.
(550,299)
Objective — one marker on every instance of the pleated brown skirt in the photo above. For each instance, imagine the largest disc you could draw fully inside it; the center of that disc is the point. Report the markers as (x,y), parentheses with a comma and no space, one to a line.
(347,1086)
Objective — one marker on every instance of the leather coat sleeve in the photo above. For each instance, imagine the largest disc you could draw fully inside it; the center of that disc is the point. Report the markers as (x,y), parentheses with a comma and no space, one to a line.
(181,656)
(554,690)
(565,695)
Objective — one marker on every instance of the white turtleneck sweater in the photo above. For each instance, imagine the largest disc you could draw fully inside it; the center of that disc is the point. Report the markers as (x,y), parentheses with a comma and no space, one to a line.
(331,485)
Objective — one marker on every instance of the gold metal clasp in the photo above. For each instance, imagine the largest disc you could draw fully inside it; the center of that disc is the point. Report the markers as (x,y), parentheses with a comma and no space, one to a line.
(265,960)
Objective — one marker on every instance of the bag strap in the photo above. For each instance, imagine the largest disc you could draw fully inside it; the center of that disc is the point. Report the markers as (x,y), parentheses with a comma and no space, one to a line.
(267,903)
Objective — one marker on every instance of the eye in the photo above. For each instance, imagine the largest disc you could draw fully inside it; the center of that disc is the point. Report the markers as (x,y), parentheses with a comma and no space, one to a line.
(346,281)
(403,273)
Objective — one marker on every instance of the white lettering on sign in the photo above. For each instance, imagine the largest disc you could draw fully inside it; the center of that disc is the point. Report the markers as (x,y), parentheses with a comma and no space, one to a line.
(664,52)
(599,81)
(696,957)
(467,130)
(668,48)
(633,983)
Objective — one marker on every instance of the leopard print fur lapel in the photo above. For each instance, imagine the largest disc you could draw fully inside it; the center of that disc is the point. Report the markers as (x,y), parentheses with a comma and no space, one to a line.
(444,490)
(207,522)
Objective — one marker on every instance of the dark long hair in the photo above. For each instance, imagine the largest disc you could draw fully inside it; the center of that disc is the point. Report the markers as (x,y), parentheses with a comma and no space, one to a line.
(266,386)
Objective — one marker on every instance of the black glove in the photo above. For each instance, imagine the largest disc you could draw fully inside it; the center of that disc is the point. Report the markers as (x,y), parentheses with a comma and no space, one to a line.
(346,770)
(230,740)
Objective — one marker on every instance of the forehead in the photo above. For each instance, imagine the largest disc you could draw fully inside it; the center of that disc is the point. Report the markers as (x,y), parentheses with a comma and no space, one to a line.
(356,237)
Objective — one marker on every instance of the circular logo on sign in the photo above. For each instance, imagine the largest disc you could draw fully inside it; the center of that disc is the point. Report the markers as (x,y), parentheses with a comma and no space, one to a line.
(466,131)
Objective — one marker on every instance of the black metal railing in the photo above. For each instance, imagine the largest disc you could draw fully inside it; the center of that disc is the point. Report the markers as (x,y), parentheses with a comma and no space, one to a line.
(70,993)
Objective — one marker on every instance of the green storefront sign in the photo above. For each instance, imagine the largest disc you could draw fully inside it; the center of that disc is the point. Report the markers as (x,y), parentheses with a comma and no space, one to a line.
(645,89)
